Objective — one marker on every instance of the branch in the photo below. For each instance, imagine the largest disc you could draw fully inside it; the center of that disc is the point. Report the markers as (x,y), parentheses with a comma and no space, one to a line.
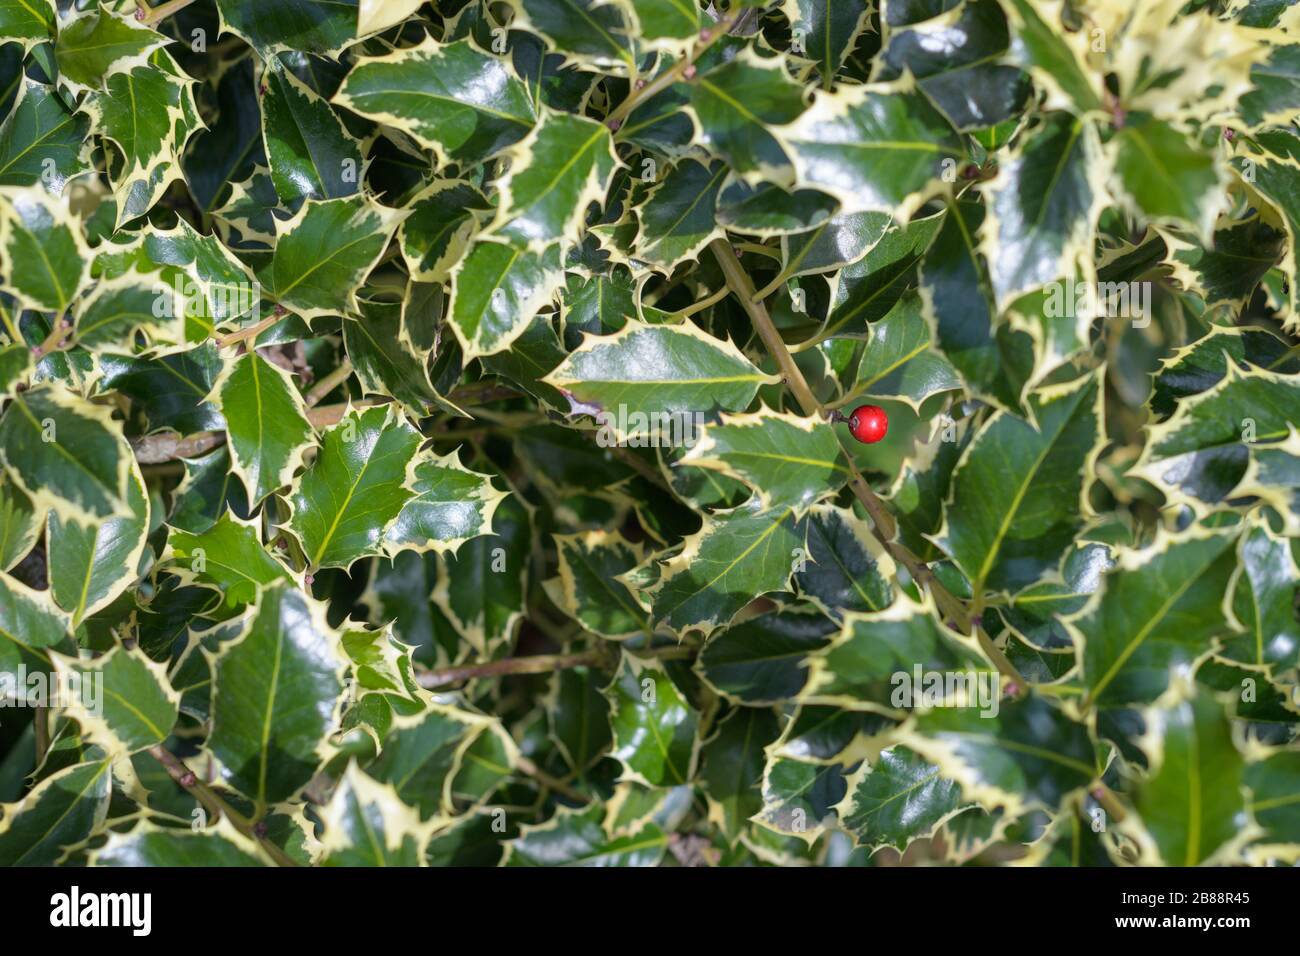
(541,664)
(329,382)
(884,527)
(683,69)
(215,805)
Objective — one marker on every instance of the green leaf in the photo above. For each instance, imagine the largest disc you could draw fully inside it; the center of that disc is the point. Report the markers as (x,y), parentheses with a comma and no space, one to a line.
(66,453)
(1272,784)
(872,663)
(733,761)
(648,372)
(495,291)
(45,258)
(899,360)
(846,568)
(880,148)
(266,423)
(323,254)
(29,21)
(784,459)
(315,26)
(275,694)
(589,588)
(1155,610)
(61,812)
(367,824)
(579,718)
(588,31)
(424,753)
(451,505)
(92,562)
(126,703)
(828,31)
(897,799)
(436,234)
(1263,600)
(1042,206)
(736,556)
(654,727)
(1166,178)
(574,837)
(1055,59)
(1029,754)
(150,845)
(737,104)
(1007,540)
(29,622)
(556,172)
(311,153)
(98,43)
(229,557)
(42,142)
(764,660)
(355,490)
(453,99)
(678,218)
(1191,799)
(20,526)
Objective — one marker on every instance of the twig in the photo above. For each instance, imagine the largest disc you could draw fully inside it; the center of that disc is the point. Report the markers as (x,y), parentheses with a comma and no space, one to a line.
(252,331)
(553,783)
(884,527)
(212,802)
(329,382)
(151,15)
(534,664)
(683,69)
(41,729)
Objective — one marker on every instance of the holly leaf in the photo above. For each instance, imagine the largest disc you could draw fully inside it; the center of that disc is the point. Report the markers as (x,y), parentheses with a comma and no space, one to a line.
(266,423)
(352,494)
(276,690)
(654,727)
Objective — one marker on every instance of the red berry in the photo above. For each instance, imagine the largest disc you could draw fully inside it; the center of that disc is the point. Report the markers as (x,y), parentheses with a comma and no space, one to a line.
(869,423)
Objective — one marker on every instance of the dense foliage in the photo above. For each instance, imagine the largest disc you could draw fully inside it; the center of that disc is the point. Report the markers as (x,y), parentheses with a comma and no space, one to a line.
(424,432)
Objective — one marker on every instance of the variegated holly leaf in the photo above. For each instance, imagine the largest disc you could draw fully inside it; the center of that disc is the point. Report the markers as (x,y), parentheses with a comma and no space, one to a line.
(93,561)
(126,702)
(589,587)
(736,556)
(495,292)
(899,360)
(874,148)
(147,844)
(95,44)
(1263,597)
(652,376)
(42,142)
(42,249)
(266,424)
(678,218)
(590,32)
(451,505)
(1025,753)
(574,837)
(1200,366)
(28,21)
(462,103)
(1008,540)
(367,824)
(310,151)
(30,622)
(1191,802)
(20,526)
(443,757)
(784,459)
(359,484)
(1272,785)
(323,254)
(732,762)
(1042,206)
(314,26)
(846,568)
(764,660)
(1165,177)
(556,172)
(898,798)
(654,727)
(1055,57)
(1157,609)
(443,218)
(229,557)
(61,812)
(276,691)
(66,453)
(1204,449)
(885,662)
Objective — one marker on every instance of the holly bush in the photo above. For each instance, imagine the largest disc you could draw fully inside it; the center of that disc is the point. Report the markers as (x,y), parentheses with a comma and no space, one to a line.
(430,432)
